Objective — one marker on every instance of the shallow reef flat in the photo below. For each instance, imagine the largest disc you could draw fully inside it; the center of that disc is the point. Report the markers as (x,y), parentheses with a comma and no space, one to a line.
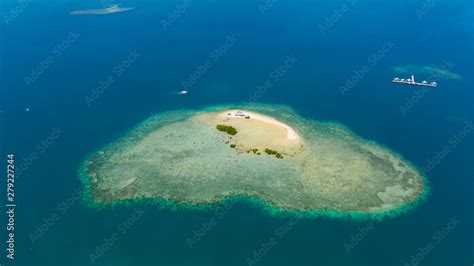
(435,72)
(181,157)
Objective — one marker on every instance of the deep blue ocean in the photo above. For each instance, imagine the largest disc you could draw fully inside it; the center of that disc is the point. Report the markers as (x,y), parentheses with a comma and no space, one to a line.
(70,84)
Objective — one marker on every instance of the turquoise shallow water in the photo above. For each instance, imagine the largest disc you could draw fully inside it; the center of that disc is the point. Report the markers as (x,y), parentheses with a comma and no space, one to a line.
(178,158)
(47,184)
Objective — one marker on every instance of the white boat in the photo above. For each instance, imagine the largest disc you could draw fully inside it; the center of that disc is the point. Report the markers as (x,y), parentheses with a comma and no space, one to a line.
(411,81)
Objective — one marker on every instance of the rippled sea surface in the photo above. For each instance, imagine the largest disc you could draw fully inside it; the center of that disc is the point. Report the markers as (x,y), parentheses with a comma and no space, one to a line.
(71,84)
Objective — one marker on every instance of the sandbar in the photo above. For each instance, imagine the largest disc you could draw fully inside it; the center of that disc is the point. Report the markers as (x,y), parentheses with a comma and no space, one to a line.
(429,71)
(291,133)
(256,130)
(102,11)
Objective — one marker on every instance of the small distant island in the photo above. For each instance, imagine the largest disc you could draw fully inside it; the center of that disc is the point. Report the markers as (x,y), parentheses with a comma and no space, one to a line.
(267,153)
(102,11)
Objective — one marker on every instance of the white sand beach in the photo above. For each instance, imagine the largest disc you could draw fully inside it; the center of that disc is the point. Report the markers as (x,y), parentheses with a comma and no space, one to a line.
(256,130)
(291,133)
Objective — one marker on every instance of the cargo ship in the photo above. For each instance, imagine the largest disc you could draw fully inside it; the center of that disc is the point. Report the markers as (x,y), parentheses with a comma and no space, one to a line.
(411,81)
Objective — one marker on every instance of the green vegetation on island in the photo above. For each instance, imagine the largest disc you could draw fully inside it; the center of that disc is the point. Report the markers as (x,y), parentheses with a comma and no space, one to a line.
(228,129)
(254,150)
(233,146)
(273,152)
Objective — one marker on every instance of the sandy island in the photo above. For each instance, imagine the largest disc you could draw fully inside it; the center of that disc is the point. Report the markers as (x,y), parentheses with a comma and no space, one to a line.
(200,157)
(291,133)
(256,130)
